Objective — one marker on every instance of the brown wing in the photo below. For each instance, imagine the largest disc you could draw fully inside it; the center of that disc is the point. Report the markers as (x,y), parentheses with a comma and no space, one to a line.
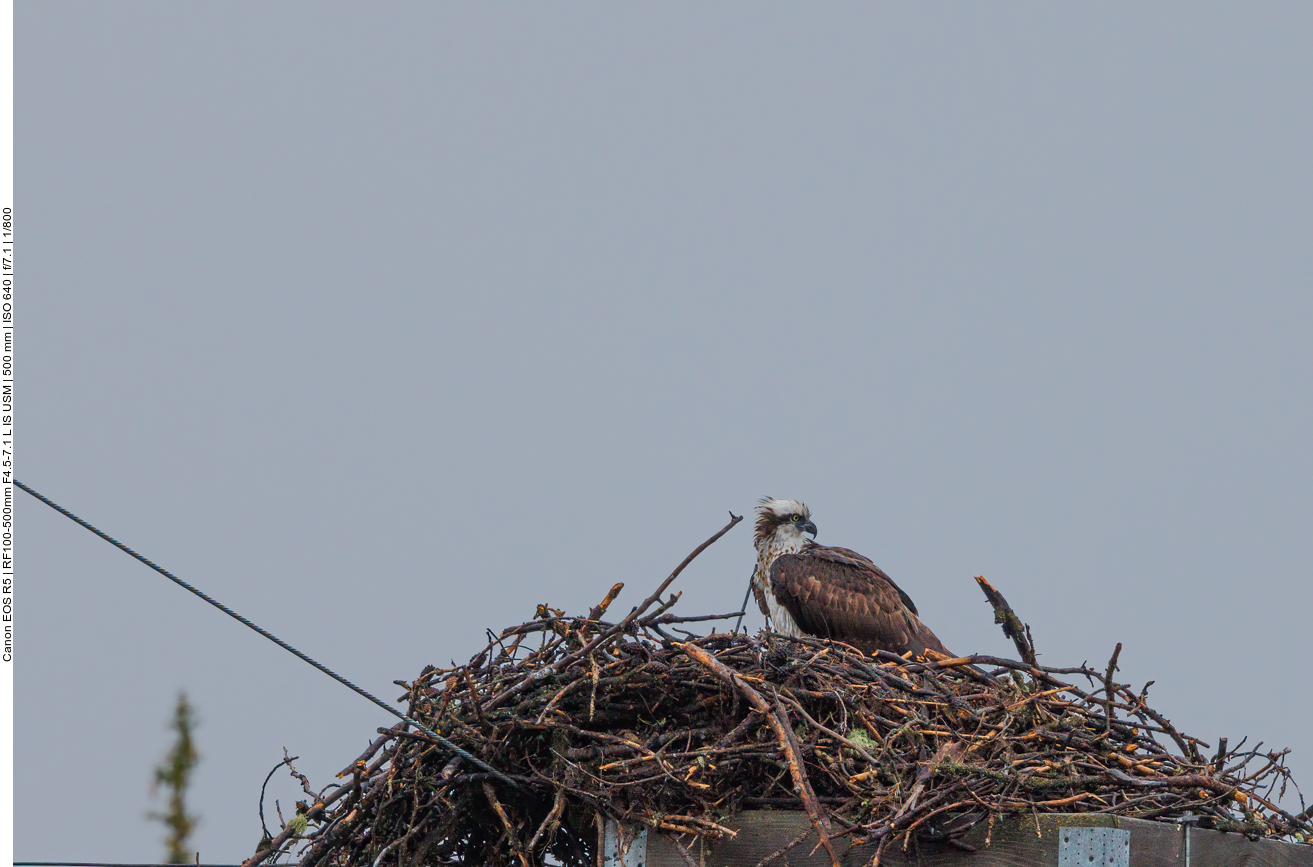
(852,558)
(837,593)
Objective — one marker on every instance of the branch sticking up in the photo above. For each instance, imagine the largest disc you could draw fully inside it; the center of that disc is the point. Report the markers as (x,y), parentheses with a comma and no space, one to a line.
(609,635)
(600,608)
(1012,626)
(1108,687)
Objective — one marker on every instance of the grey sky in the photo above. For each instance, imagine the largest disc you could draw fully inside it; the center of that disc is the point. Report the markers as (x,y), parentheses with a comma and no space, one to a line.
(383,323)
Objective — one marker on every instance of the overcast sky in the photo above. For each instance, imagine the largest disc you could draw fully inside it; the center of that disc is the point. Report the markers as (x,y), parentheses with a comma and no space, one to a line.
(384,323)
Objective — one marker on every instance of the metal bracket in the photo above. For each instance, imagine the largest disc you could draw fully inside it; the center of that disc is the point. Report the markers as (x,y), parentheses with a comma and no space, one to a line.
(622,847)
(1094,847)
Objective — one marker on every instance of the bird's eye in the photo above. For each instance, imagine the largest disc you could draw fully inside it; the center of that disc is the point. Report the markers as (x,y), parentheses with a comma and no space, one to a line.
(795,518)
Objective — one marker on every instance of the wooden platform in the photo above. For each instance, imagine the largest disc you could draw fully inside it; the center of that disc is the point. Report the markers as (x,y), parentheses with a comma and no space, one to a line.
(1014,842)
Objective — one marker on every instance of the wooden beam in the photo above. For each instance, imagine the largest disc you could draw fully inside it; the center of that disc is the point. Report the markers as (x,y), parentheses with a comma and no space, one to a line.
(1014,842)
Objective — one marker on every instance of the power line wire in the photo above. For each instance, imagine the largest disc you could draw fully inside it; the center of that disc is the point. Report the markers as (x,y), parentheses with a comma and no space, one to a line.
(275,639)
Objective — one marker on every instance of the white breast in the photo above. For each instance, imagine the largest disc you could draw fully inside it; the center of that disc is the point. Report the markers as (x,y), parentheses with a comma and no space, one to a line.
(781,620)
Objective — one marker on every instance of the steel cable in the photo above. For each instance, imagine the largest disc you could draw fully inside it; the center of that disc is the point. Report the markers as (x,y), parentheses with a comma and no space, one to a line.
(275,639)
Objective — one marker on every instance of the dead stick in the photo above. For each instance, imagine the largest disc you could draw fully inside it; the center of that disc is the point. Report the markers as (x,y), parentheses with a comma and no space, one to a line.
(551,821)
(506,822)
(1007,618)
(681,849)
(926,770)
(1168,727)
(777,718)
(597,612)
(734,519)
(1193,780)
(1107,688)
(783,849)
(277,843)
(676,618)
(879,852)
(610,634)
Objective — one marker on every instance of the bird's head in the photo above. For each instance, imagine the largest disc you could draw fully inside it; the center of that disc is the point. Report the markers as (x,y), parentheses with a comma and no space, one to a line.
(783,521)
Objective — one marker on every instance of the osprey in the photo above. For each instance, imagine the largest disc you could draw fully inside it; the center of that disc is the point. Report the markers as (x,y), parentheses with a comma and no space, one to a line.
(808,589)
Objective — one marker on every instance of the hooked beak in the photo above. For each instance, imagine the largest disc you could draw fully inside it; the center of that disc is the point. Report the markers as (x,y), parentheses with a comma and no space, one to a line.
(808,527)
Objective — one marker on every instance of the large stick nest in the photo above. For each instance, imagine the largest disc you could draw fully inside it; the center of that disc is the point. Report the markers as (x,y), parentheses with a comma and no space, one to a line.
(579,718)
